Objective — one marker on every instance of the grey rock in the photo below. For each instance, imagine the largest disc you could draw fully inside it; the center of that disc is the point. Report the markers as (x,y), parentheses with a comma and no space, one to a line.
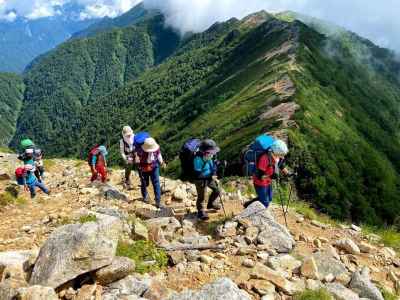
(76,249)
(111,192)
(348,245)
(340,292)
(130,285)
(326,264)
(222,289)
(361,283)
(119,268)
(272,234)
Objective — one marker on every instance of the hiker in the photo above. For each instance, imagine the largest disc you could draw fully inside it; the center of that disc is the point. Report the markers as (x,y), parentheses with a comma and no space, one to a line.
(150,160)
(98,162)
(206,176)
(26,177)
(28,148)
(127,149)
(268,166)
(39,165)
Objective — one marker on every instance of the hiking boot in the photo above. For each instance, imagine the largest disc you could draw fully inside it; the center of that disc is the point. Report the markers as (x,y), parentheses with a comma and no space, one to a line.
(160,206)
(214,205)
(146,200)
(202,216)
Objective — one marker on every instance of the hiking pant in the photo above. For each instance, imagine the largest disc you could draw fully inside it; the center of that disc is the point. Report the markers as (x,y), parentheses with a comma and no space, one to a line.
(40,185)
(155,180)
(128,170)
(99,170)
(264,194)
(201,187)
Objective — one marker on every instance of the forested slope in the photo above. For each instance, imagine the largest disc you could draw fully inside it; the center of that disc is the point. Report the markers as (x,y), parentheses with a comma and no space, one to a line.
(11,96)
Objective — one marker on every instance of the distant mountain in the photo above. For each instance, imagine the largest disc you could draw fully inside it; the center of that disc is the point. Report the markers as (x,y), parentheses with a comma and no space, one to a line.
(11,97)
(22,40)
(135,15)
(336,99)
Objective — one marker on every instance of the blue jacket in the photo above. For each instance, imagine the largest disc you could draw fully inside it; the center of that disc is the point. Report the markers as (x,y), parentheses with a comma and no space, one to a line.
(30,177)
(204,169)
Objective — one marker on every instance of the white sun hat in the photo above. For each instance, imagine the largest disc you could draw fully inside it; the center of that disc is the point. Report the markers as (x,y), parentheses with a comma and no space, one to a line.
(150,145)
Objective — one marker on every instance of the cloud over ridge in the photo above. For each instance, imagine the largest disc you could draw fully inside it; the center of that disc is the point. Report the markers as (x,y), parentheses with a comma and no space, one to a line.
(376,20)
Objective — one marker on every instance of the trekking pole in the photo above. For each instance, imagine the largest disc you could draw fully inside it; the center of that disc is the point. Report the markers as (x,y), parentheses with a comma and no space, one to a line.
(281,200)
(222,202)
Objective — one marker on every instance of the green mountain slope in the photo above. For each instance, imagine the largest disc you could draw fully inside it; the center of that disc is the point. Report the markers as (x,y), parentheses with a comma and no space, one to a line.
(65,81)
(239,79)
(11,96)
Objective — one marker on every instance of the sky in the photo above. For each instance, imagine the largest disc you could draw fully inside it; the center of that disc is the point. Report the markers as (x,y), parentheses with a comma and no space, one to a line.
(376,20)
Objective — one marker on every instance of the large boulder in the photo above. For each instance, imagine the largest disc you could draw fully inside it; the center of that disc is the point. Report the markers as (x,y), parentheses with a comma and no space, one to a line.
(112,193)
(327,264)
(348,246)
(272,234)
(76,249)
(119,268)
(361,283)
(222,289)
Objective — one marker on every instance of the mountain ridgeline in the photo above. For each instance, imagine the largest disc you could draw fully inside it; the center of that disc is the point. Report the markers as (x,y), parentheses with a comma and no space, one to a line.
(232,82)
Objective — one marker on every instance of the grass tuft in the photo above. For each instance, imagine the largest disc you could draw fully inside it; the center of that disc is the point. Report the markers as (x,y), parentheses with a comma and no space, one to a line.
(87,219)
(8,198)
(144,252)
(388,295)
(321,294)
(390,236)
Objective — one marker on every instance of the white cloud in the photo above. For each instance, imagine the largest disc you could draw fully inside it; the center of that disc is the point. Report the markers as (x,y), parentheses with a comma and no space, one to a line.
(376,20)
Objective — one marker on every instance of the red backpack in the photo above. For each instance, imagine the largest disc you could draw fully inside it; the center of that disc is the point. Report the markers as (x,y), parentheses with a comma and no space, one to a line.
(94,151)
(20,174)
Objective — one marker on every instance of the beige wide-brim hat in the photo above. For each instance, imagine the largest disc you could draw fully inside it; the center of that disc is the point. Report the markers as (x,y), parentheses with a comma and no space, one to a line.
(127,130)
(150,145)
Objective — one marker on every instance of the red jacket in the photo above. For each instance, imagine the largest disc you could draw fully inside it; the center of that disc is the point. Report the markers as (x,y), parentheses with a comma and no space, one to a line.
(265,165)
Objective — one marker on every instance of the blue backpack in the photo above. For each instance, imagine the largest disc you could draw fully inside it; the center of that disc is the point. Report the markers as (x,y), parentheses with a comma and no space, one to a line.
(139,138)
(260,146)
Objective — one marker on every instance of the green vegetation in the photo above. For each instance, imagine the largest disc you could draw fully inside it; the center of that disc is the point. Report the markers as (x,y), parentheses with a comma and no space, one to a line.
(388,295)
(389,236)
(48,164)
(321,294)
(11,96)
(87,219)
(8,198)
(146,255)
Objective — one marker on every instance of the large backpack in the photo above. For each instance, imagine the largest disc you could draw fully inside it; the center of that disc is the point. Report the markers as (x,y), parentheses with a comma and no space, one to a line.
(252,154)
(94,151)
(139,139)
(187,154)
(19,175)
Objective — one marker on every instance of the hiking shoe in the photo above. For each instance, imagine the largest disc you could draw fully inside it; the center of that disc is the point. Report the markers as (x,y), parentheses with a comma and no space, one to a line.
(160,206)
(202,216)
(146,200)
(214,205)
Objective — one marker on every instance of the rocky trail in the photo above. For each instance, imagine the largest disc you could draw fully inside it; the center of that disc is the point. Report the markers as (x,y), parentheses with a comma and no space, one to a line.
(64,246)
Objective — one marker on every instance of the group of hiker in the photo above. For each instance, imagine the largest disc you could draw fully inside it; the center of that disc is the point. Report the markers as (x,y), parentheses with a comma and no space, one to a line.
(31,174)
(263,161)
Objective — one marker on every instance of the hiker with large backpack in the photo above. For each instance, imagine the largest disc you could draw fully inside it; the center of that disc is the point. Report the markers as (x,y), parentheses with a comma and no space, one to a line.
(26,177)
(187,155)
(98,162)
(150,161)
(205,170)
(127,150)
(264,162)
